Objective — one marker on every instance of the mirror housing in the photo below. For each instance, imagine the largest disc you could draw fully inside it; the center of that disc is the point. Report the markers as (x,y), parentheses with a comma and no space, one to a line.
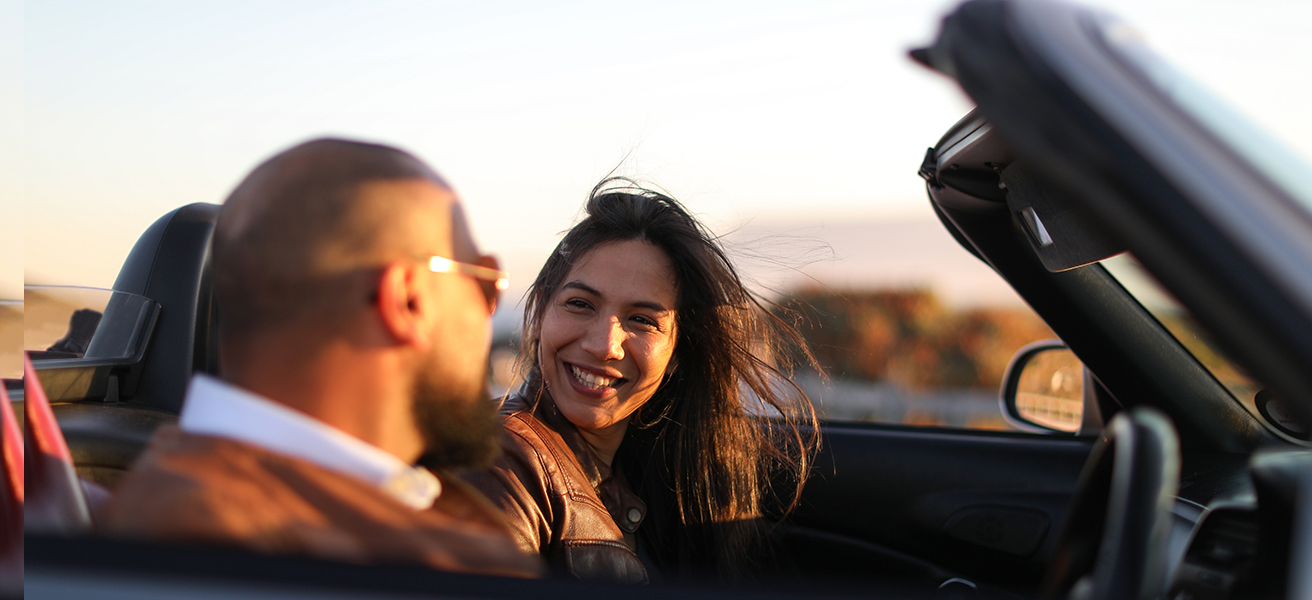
(1047,389)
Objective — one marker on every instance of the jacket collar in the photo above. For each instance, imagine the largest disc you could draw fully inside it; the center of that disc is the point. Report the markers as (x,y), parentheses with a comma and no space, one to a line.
(624,506)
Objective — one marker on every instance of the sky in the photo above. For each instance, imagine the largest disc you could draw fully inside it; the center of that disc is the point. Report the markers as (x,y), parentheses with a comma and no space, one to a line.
(759,114)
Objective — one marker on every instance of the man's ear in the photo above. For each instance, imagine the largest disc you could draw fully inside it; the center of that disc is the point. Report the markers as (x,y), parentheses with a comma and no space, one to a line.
(399,306)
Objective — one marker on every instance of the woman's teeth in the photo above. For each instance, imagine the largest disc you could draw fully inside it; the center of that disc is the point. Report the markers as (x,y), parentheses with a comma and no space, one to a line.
(595,382)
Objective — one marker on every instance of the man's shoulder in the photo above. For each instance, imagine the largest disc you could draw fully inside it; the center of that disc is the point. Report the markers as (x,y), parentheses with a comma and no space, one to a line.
(188,488)
(178,460)
(194,471)
(176,456)
(199,489)
(241,476)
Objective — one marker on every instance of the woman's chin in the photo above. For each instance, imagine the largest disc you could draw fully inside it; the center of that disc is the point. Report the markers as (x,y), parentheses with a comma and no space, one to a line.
(582,417)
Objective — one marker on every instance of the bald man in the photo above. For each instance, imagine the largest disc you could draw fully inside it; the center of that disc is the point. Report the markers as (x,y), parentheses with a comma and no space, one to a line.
(353,344)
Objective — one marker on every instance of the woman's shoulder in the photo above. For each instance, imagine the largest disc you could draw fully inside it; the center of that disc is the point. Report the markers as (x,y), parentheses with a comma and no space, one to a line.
(526,434)
(535,451)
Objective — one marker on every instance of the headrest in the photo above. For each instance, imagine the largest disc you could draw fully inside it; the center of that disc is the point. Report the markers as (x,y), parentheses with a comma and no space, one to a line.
(170,264)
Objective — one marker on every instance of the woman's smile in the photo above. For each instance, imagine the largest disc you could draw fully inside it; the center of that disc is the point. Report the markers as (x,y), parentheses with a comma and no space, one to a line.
(599,383)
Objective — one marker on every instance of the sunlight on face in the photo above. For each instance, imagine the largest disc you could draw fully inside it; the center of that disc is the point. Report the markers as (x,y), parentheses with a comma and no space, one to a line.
(607,336)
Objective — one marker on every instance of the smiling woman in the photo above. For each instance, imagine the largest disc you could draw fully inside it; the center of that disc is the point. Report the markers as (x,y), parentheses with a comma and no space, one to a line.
(607,338)
(633,447)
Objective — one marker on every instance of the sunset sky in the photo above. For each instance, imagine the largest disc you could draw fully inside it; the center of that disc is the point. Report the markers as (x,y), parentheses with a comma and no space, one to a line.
(756,113)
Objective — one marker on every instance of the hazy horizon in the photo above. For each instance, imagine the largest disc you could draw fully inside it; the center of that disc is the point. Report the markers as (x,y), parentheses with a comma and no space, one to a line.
(896,253)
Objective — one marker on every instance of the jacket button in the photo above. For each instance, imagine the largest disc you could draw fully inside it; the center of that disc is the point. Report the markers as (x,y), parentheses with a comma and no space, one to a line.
(635,515)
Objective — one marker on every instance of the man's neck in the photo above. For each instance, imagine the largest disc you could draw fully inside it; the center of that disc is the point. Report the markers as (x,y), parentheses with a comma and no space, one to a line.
(356,392)
(218,409)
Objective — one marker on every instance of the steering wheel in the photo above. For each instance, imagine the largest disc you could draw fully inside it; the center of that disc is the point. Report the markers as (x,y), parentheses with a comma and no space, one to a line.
(1114,541)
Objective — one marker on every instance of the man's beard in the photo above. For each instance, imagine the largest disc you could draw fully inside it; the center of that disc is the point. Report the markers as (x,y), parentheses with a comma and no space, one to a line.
(460,428)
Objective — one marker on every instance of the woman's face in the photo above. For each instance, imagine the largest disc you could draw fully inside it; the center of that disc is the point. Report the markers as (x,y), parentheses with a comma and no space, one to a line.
(606,338)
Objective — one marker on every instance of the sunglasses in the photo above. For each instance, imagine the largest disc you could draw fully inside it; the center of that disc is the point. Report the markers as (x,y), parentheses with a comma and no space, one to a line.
(490,280)
(493,281)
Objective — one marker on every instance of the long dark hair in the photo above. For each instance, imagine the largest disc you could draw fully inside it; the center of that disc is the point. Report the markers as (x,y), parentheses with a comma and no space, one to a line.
(696,452)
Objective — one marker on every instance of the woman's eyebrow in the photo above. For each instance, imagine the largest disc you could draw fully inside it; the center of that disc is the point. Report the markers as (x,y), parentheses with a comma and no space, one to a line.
(579,285)
(654,306)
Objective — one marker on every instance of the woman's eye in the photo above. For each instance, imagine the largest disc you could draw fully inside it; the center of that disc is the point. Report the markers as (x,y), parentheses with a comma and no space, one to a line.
(646,322)
(576,303)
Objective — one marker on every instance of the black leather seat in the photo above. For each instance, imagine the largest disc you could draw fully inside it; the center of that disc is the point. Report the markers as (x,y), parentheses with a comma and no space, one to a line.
(170,265)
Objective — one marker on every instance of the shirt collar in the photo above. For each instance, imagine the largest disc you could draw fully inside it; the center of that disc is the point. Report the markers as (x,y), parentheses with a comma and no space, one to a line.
(217,408)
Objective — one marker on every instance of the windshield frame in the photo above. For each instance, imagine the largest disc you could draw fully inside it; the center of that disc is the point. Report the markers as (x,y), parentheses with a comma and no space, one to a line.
(1224,239)
(1179,323)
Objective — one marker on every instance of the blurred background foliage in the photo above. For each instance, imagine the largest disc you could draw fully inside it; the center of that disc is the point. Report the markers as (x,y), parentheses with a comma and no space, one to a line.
(909,338)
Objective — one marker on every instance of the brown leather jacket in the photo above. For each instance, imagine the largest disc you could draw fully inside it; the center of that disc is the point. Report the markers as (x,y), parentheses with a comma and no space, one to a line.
(561,501)
(200,489)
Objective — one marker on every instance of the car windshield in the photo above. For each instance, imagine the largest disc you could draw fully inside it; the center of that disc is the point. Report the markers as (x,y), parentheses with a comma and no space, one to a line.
(1181,324)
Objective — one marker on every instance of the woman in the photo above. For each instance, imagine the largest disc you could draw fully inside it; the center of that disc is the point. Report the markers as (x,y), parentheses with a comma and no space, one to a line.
(631,445)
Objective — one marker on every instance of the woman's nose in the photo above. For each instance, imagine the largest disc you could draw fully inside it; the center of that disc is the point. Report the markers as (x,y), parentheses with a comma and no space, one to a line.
(606,340)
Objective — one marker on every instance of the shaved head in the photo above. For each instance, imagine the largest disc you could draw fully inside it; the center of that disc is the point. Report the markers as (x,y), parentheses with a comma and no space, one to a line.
(327,302)
(308,227)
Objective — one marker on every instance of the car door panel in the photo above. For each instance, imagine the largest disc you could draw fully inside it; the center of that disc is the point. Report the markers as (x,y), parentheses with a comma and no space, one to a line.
(986,505)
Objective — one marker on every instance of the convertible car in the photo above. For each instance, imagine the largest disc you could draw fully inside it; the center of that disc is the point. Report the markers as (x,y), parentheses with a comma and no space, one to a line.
(1165,451)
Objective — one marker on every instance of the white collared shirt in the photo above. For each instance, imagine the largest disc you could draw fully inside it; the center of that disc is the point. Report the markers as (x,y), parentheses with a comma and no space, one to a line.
(216,408)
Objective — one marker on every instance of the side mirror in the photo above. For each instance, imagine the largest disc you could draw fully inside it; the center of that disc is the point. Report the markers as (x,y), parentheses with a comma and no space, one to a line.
(1048,390)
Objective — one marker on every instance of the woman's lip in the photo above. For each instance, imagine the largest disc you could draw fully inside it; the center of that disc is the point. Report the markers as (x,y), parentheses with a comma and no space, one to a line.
(593,370)
(584,390)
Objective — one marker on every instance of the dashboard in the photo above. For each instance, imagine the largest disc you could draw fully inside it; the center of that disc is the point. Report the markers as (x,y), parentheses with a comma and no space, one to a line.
(1238,546)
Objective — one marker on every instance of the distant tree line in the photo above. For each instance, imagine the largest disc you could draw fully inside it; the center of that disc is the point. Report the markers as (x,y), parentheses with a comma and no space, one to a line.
(908,337)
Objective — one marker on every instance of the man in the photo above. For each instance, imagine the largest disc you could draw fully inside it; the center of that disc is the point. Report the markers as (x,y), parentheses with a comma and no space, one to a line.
(353,342)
